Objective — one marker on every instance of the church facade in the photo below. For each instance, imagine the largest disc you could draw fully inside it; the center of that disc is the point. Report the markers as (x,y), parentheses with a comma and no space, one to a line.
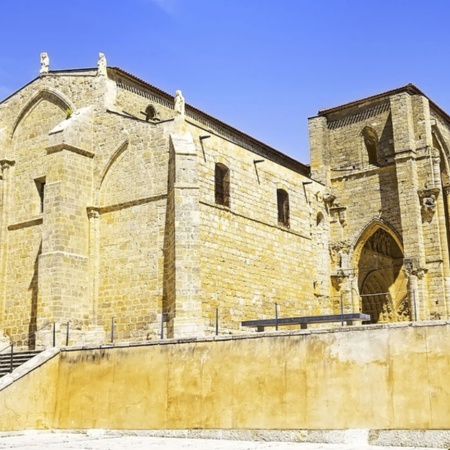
(126,211)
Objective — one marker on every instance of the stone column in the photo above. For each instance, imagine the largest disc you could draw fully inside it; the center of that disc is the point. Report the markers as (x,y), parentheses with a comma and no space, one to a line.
(354,293)
(7,168)
(439,300)
(415,288)
(64,292)
(407,180)
(320,159)
(64,264)
(184,302)
(446,200)
(94,228)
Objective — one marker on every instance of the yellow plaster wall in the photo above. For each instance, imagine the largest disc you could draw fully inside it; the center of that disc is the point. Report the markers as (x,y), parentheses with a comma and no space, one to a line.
(30,402)
(382,377)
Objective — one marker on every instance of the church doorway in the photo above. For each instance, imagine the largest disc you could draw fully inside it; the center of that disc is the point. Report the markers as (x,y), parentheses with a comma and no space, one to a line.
(382,281)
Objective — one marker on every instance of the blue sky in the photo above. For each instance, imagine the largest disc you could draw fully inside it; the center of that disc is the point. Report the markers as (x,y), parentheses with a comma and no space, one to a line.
(262,66)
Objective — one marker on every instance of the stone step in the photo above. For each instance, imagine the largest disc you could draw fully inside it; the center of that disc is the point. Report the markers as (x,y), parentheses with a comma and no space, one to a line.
(19,358)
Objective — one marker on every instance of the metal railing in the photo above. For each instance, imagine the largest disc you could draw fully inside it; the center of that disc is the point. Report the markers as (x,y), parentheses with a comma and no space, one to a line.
(28,336)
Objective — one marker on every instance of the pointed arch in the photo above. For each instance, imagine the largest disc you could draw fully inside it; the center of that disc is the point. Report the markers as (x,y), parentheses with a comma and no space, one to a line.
(439,141)
(122,147)
(375,224)
(51,96)
(370,141)
(378,262)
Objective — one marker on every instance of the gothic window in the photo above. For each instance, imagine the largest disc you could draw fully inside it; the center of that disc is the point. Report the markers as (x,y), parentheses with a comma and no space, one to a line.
(151,113)
(222,185)
(40,186)
(283,207)
(370,141)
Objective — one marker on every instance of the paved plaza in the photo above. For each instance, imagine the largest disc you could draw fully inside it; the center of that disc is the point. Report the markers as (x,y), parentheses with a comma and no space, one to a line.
(32,440)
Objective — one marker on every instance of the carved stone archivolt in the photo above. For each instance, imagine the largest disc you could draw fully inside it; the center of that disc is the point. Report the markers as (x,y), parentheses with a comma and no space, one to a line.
(404,310)
(380,242)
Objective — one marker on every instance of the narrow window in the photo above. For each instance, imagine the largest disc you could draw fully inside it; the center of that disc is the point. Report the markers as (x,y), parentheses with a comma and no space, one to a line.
(222,185)
(283,208)
(151,114)
(40,186)
(371,141)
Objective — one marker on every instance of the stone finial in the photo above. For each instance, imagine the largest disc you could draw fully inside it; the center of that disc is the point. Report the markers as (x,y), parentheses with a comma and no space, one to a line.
(45,63)
(179,103)
(101,64)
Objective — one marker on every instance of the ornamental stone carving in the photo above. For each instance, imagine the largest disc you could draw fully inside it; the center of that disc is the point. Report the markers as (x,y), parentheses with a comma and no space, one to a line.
(93,212)
(329,199)
(428,202)
(179,103)
(380,242)
(45,63)
(101,64)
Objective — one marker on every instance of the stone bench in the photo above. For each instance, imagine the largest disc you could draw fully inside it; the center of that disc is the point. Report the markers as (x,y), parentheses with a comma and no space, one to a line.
(348,318)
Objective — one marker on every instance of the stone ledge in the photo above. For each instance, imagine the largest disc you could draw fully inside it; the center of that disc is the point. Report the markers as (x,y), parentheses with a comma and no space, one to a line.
(257,335)
(27,223)
(71,148)
(28,367)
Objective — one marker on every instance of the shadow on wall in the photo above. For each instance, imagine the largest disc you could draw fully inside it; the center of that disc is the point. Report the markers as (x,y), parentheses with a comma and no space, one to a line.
(34,288)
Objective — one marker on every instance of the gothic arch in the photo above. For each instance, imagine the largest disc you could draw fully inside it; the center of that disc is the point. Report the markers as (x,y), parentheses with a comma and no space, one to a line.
(45,94)
(112,160)
(368,231)
(440,144)
(370,138)
(109,170)
(378,264)
(439,141)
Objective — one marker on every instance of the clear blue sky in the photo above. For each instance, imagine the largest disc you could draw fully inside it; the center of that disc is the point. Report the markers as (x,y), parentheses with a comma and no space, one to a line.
(262,66)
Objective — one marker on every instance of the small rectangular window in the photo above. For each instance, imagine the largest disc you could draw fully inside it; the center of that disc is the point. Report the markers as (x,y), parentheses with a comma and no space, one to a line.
(40,186)
(222,185)
(283,208)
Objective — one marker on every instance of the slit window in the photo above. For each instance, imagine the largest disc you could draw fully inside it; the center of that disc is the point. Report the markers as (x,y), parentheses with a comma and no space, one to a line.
(371,141)
(222,185)
(40,186)
(283,208)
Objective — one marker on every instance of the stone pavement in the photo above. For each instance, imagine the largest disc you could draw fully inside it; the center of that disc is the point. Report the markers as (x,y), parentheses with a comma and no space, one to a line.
(33,440)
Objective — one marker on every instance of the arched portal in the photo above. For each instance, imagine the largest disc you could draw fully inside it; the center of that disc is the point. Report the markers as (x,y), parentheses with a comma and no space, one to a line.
(382,281)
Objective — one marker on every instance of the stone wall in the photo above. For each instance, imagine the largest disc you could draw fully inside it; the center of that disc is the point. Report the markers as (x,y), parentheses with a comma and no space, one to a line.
(249,261)
(111,215)
(399,187)
(308,380)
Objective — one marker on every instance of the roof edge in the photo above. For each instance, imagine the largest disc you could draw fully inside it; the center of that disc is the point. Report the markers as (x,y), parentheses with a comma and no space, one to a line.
(408,88)
(305,169)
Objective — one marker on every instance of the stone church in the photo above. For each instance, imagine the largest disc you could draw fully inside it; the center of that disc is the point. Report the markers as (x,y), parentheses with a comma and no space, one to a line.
(126,211)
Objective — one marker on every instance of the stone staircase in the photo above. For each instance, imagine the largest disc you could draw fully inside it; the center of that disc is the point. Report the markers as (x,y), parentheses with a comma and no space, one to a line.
(19,358)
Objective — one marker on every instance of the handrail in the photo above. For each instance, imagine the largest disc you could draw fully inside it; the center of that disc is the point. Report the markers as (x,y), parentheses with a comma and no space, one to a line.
(12,343)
